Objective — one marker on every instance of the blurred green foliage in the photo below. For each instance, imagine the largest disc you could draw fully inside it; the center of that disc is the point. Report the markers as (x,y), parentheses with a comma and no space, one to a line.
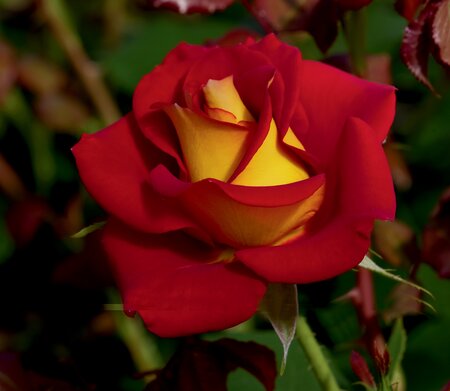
(127,42)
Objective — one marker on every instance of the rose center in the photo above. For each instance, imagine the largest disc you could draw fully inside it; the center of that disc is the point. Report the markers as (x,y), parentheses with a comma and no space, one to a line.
(215,142)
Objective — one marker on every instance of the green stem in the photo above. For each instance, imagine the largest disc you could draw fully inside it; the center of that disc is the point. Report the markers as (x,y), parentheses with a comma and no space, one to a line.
(315,356)
(354,26)
(57,17)
(16,109)
(140,343)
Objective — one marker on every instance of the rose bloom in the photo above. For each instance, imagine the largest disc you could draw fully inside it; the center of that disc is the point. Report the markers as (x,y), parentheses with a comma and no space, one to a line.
(237,167)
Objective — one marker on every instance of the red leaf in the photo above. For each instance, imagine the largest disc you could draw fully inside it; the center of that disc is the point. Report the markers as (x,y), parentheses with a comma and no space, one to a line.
(318,17)
(408,8)
(441,32)
(8,69)
(277,14)
(189,6)
(417,44)
(436,237)
(254,358)
(25,217)
(203,365)
(352,4)
(87,269)
(12,375)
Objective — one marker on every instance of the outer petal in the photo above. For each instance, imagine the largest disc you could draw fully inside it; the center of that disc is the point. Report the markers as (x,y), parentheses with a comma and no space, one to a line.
(115,165)
(359,190)
(170,281)
(365,182)
(242,216)
(160,87)
(331,96)
(163,84)
(335,249)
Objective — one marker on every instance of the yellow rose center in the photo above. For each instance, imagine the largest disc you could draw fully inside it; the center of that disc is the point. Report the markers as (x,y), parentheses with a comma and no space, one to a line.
(214,145)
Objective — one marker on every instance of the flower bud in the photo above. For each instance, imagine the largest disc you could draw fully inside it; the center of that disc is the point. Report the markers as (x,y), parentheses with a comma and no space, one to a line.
(361,369)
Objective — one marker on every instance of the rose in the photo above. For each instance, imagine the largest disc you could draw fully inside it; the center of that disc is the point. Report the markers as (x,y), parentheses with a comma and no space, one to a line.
(237,167)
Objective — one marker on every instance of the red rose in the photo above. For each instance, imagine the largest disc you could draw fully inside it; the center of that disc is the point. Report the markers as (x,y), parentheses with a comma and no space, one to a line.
(237,167)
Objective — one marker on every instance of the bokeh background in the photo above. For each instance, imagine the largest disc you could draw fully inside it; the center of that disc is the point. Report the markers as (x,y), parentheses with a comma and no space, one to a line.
(70,67)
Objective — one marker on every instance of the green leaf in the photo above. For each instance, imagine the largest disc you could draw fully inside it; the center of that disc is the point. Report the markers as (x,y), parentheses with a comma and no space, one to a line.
(427,359)
(280,306)
(240,379)
(396,347)
(368,264)
(87,230)
(40,141)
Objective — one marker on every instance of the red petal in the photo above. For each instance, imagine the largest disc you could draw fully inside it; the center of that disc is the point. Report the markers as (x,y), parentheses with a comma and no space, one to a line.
(235,37)
(115,170)
(287,60)
(365,181)
(243,216)
(160,87)
(25,217)
(359,189)
(331,96)
(271,196)
(189,6)
(163,84)
(222,62)
(169,281)
(335,249)
(416,44)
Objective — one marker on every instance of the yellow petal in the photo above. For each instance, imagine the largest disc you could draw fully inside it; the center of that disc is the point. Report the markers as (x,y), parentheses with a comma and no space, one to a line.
(222,94)
(272,164)
(291,139)
(239,225)
(211,149)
